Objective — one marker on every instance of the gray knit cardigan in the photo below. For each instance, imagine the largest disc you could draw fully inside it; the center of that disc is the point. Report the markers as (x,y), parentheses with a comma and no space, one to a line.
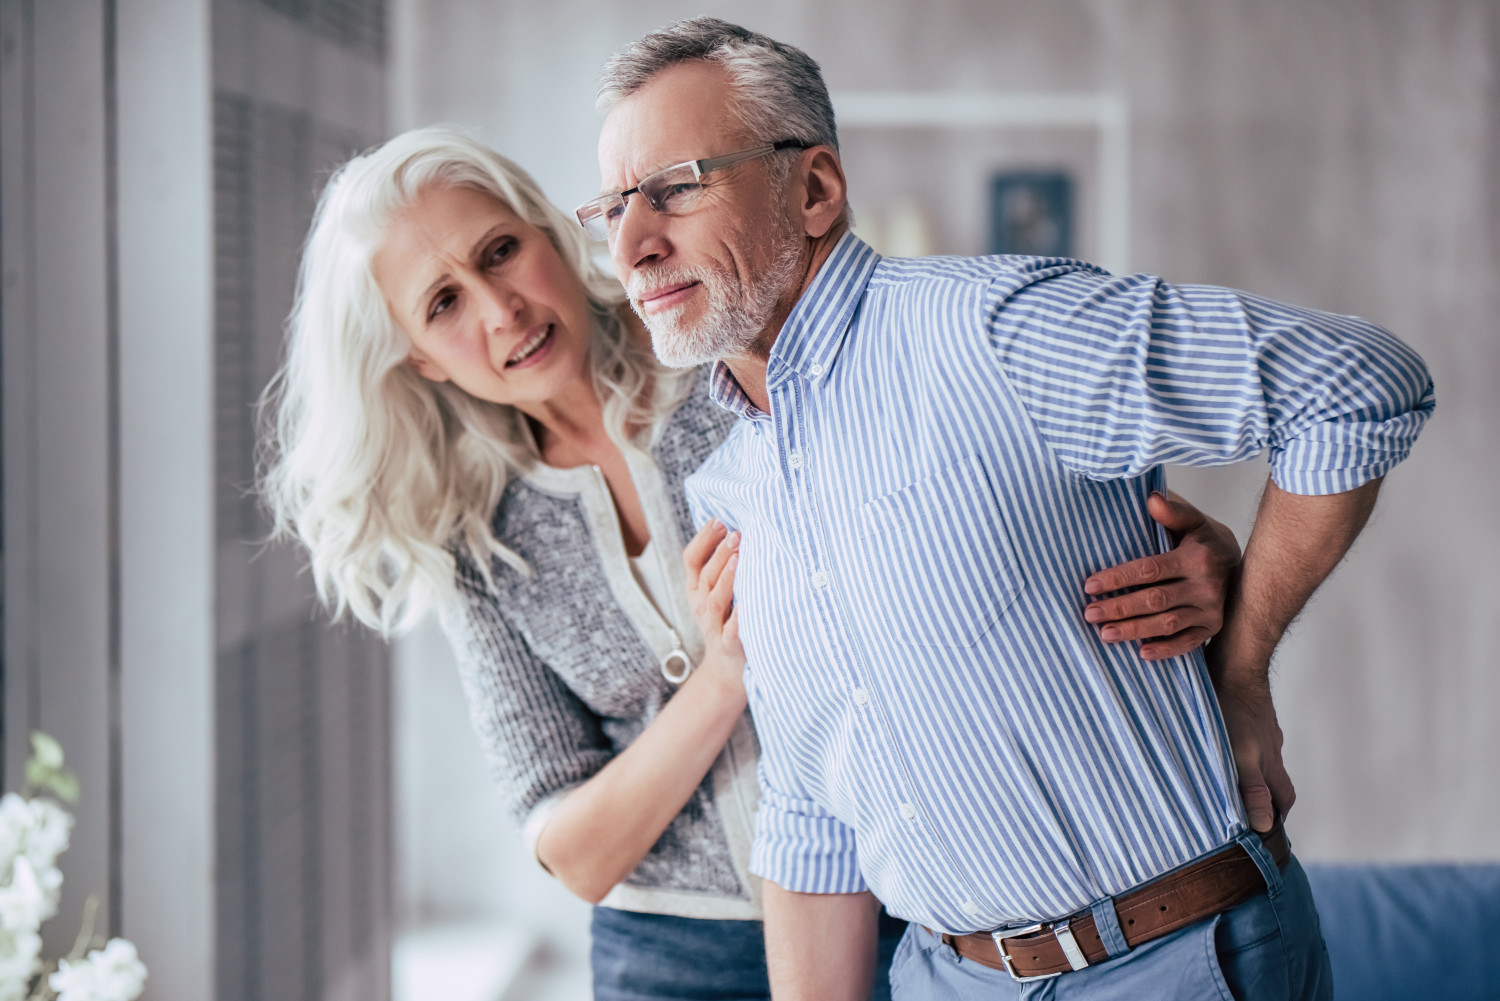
(562,668)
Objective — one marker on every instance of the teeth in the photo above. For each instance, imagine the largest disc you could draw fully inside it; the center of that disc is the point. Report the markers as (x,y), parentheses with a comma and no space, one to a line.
(530,346)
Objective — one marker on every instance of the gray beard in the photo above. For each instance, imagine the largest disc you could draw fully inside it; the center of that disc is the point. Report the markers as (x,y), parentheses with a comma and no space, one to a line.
(737,314)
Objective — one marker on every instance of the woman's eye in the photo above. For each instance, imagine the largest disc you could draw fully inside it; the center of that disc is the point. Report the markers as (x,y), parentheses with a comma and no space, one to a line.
(440,305)
(502,250)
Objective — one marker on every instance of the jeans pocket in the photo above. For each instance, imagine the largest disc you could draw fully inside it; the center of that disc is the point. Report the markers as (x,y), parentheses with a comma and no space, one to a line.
(1250,947)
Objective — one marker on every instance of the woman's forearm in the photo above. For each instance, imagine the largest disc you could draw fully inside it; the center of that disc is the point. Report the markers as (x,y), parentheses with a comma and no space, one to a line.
(603,828)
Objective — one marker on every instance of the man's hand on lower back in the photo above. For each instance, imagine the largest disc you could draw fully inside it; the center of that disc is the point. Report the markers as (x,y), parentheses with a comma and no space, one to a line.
(1295,543)
(1255,738)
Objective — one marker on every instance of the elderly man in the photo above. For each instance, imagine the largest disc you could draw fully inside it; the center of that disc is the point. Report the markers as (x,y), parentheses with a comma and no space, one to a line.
(932,453)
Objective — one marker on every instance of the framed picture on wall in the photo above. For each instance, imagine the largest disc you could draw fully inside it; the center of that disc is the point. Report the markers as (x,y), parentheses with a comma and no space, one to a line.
(1031,212)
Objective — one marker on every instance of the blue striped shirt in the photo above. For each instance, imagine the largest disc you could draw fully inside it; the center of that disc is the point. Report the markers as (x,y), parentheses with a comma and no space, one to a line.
(954,444)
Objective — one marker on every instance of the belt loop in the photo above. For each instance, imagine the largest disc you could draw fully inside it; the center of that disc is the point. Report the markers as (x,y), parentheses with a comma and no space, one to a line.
(1107,924)
(1261,856)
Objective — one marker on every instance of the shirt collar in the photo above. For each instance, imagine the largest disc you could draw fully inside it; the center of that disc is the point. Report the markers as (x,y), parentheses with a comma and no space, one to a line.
(813,333)
(724,390)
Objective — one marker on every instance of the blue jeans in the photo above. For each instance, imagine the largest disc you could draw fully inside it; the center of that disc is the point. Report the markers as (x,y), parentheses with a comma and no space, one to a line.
(645,957)
(1267,949)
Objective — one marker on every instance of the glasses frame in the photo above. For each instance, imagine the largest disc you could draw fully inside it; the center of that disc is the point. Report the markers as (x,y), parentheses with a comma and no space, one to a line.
(591,214)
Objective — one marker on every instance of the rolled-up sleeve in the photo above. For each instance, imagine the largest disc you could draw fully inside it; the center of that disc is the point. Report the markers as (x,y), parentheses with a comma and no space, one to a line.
(1123,374)
(799,846)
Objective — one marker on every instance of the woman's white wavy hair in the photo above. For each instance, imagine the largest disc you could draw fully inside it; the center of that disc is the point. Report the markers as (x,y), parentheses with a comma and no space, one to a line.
(382,474)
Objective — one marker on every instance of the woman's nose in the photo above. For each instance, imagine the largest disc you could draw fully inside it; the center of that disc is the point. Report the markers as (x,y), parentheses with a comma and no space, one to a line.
(501,305)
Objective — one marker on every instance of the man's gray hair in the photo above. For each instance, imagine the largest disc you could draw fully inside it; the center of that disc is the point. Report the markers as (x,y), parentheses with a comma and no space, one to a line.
(779,88)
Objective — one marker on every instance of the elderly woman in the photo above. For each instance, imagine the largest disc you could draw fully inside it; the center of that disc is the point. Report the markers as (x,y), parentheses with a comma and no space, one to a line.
(470,420)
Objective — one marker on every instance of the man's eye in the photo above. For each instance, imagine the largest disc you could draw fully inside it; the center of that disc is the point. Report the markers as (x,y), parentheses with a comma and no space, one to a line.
(675,195)
(614,211)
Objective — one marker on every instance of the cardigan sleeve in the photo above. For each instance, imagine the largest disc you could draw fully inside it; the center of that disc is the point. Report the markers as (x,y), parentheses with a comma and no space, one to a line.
(539,738)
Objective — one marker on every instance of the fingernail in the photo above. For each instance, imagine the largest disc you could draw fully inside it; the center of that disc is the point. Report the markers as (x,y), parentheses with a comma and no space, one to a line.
(1092,614)
(715,523)
(1110,633)
(732,539)
(1092,586)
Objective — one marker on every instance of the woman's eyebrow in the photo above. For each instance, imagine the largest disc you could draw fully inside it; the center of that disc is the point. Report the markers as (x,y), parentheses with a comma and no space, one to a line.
(426,294)
(489,235)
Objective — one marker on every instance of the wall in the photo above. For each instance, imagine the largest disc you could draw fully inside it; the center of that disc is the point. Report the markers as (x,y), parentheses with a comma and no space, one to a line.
(1342,155)
(158,161)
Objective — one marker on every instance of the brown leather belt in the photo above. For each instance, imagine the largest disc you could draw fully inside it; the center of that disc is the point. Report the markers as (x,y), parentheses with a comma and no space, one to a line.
(1198,890)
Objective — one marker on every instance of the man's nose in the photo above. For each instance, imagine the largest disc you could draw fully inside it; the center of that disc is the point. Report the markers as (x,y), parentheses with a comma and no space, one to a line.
(639,238)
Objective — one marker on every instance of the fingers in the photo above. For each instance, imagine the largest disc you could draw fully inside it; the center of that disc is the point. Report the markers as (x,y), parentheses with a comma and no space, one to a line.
(728,547)
(1258,803)
(1193,602)
(1267,791)
(1283,794)
(1175,645)
(1189,561)
(1174,513)
(697,552)
(721,597)
(731,633)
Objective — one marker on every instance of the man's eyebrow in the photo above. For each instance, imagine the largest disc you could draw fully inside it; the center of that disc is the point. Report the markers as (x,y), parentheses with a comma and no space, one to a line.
(643,175)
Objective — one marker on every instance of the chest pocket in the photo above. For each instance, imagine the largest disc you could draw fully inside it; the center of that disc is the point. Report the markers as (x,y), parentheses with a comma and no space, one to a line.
(939,557)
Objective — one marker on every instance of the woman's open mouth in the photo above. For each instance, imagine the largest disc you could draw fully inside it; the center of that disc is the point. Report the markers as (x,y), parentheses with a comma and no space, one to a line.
(532,347)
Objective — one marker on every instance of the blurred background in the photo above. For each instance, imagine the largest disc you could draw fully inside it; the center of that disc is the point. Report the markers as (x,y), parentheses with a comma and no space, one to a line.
(274,807)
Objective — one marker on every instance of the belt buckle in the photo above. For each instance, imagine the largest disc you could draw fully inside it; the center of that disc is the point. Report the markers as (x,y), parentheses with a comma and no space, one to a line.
(1002,935)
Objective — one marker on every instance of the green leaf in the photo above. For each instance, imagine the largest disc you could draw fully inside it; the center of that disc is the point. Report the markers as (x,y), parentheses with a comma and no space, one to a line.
(45,771)
(45,750)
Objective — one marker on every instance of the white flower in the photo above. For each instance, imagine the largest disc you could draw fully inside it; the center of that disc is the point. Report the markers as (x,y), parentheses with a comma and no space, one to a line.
(48,835)
(25,903)
(20,957)
(35,828)
(15,823)
(113,973)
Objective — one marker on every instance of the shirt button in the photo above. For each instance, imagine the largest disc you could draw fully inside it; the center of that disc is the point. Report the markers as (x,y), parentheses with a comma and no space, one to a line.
(908,811)
(794,460)
(861,696)
(972,909)
(819,579)
(815,369)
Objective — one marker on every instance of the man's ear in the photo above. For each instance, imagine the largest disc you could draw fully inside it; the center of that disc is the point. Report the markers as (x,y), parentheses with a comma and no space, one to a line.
(823,192)
(425,366)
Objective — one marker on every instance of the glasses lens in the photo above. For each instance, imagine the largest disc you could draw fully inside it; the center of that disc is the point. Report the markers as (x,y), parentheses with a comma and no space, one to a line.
(673,190)
(600,216)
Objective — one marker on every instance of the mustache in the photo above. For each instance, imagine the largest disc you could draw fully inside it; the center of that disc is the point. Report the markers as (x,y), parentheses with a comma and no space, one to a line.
(645,281)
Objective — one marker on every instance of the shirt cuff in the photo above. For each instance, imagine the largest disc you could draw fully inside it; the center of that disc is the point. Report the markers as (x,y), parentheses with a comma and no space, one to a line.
(1336,457)
(802,848)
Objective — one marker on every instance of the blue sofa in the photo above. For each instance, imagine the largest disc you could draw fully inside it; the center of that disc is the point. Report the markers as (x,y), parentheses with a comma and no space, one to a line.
(1411,932)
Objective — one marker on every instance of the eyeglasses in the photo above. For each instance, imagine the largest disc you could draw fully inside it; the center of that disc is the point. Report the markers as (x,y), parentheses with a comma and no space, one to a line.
(671,191)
